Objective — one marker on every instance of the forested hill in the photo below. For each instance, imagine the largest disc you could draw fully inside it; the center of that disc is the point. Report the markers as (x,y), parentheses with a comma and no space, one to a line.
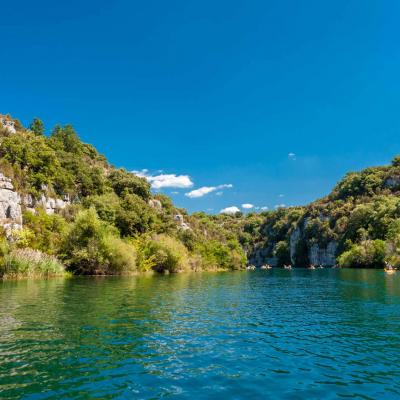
(65,209)
(63,206)
(356,225)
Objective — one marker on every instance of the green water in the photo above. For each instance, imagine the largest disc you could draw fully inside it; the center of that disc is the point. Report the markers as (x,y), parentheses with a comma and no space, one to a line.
(255,335)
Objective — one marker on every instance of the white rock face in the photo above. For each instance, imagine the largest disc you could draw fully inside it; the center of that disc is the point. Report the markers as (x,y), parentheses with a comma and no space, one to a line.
(294,239)
(325,256)
(8,124)
(181,222)
(155,204)
(49,204)
(52,205)
(10,206)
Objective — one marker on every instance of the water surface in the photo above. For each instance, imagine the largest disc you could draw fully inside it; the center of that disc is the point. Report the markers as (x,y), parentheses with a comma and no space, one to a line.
(265,334)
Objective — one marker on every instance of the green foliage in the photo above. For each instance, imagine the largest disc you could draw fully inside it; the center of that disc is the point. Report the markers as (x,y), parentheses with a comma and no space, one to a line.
(369,254)
(168,254)
(42,232)
(92,247)
(134,215)
(282,253)
(125,182)
(23,263)
(37,127)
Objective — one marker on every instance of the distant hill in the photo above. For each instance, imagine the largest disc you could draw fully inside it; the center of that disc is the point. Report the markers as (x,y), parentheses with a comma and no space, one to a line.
(356,225)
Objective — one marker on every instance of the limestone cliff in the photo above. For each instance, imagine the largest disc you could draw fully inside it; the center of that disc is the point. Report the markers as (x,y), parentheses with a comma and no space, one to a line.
(10,206)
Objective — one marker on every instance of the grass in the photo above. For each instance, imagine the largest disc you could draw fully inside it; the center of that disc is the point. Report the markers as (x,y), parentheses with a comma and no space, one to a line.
(28,263)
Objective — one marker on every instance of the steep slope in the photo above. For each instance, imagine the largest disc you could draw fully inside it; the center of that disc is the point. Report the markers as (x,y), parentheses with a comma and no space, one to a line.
(358,224)
(61,197)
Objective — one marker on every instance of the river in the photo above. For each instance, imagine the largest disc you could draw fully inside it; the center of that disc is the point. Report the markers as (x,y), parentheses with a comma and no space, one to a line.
(321,334)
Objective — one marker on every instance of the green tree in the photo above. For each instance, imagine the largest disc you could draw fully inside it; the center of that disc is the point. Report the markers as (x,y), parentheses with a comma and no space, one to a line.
(37,126)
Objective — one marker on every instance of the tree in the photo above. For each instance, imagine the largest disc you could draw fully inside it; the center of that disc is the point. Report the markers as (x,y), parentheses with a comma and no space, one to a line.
(37,126)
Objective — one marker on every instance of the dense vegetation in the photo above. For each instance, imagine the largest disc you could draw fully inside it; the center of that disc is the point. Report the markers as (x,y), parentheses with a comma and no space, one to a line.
(114,224)
(361,217)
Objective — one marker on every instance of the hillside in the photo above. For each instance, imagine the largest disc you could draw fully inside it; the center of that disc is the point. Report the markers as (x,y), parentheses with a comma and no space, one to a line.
(356,225)
(63,206)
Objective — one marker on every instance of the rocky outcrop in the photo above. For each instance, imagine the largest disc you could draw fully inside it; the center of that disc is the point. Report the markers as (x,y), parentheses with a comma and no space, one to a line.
(325,256)
(178,218)
(261,256)
(49,204)
(156,204)
(10,206)
(392,182)
(294,240)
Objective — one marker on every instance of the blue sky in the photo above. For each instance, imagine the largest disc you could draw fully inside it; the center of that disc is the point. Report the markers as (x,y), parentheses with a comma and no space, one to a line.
(218,93)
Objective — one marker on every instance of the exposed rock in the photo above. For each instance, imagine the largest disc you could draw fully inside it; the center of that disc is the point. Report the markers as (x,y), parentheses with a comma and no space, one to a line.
(294,239)
(154,203)
(49,204)
(260,256)
(10,206)
(7,123)
(325,256)
(181,222)
(392,182)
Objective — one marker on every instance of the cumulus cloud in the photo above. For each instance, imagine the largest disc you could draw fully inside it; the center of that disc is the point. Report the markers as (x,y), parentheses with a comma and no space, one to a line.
(230,210)
(206,190)
(292,156)
(280,206)
(165,180)
(265,208)
(247,206)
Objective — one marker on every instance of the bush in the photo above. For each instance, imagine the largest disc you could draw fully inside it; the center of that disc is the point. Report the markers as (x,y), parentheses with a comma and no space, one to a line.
(282,253)
(367,254)
(92,247)
(29,263)
(168,254)
(216,255)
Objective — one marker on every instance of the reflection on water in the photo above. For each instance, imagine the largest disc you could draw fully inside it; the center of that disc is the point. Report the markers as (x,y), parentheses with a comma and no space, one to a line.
(264,334)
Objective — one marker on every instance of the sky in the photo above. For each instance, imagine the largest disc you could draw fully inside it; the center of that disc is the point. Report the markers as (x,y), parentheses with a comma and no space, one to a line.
(218,104)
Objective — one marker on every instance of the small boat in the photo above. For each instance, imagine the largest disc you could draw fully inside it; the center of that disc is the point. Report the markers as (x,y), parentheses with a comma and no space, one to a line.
(390,271)
(389,268)
(287,266)
(311,267)
(251,267)
(266,266)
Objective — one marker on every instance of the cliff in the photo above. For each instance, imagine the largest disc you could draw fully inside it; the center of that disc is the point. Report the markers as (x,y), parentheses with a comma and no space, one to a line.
(357,224)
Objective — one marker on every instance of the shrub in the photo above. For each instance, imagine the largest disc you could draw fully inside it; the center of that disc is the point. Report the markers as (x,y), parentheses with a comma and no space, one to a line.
(369,253)
(92,247)
(28,263)
(168,254)
(282,253)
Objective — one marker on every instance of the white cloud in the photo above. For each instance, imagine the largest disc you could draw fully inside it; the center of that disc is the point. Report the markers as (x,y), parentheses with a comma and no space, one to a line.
(265,208)
(280,206)
(165,180)
(219,193)
(247,206)
(174,192)
(230,210)
(206,190)
(292,156)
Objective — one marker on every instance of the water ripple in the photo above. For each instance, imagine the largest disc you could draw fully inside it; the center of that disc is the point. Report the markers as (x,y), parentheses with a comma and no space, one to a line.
(323,334)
